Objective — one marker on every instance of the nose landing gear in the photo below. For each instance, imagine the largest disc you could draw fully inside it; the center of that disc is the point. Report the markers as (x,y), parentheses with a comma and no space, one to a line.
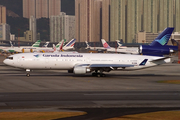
(28,72)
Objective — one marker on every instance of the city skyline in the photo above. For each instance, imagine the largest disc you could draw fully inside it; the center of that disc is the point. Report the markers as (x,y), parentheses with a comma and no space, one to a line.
(41,8)
(115,19)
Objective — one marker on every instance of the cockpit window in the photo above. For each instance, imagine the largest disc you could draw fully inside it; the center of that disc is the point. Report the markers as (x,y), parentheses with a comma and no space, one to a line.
(10,58)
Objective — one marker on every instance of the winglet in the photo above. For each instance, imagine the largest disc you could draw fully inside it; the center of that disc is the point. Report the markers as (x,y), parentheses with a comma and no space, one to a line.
(105,44)
(143,62)
(163,38)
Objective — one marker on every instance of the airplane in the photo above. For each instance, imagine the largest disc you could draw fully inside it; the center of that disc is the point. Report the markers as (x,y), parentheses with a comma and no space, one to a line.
(158,47)
(20,49)
(127,50)
(82,63)
(59,47)
(94,48)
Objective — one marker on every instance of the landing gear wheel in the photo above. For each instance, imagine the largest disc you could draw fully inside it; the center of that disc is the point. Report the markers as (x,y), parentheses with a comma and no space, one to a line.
(103,75)
(94,74)
(28,74)
(98,75)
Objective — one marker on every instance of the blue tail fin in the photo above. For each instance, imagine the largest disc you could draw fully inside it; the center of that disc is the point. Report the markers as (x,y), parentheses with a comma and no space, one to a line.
(163,38)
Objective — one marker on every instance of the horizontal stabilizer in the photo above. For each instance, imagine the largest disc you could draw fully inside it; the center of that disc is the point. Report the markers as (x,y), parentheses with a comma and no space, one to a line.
(160,59)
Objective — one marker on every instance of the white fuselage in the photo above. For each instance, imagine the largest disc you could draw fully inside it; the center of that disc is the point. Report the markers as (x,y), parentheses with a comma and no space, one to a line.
(128,50)
(67,61)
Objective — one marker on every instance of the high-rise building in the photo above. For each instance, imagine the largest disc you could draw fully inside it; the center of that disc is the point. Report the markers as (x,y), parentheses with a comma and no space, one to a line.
(41,8)
(29,8)
(88,20)
(4,31)
(54,7)
(106,19)
(2,14)
(33,28)
(62,27)
(128,17)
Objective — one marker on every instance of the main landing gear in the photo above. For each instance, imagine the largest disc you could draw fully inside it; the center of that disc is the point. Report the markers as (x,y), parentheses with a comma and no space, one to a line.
(98,74)
(28,72)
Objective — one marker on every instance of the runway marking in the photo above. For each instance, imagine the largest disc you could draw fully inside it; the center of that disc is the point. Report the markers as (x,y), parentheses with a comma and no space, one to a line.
(3,104)
(75,78)
(174,94)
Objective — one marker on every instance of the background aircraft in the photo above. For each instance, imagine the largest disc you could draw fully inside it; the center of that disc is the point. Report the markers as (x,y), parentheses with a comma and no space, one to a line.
(20,49)
(94,48)
(157,47)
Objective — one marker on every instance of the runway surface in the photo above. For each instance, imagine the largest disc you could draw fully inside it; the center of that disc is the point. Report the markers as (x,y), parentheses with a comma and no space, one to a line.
(130,92)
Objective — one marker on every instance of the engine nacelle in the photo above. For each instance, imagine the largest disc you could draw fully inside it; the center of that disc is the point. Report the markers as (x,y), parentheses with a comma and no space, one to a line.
(157,50)
(27,50)
(80,70)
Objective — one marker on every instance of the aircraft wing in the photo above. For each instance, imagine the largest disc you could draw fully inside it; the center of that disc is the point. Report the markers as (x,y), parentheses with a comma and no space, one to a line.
(110,65)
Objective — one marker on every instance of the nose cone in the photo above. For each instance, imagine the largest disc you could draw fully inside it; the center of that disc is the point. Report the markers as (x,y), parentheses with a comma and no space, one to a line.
(6,62)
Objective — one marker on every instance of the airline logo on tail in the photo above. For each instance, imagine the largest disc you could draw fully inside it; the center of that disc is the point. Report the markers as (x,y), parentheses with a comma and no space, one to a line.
(105,45)
(71,43)
(46,44)
(64,40)
(163,38)
(37,43)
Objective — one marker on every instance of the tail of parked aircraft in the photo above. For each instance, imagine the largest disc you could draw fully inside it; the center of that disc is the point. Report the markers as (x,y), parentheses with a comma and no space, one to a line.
(46,44)
(105,44)
(163,38)
(70,43)
(174,42)
(88,46)
(11,43)
(62,41)
(119,43)
(37,43)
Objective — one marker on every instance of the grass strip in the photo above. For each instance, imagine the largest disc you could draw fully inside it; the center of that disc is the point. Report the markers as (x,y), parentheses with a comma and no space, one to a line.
(170,81)
(162,115)
(37,115)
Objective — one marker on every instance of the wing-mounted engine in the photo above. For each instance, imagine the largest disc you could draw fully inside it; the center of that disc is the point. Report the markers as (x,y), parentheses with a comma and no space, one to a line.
(157,50)
(81,70)
(27,50)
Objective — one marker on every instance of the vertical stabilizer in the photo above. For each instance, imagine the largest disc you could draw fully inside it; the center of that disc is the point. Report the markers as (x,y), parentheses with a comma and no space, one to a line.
(70,43)
(163,38)
(37,43)
(105,44)
(46,44)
